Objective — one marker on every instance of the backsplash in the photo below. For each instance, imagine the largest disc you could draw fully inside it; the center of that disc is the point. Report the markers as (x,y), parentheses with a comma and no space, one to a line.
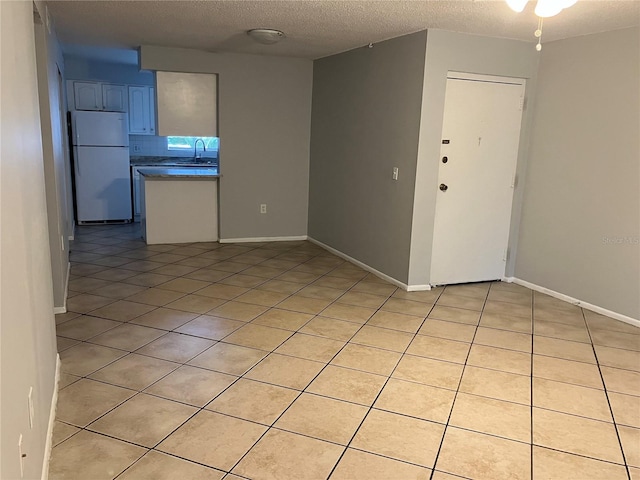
(154,146)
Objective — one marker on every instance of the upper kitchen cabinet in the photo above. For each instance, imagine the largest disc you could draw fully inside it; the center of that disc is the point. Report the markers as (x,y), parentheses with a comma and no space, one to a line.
(142,118)
(88,95)
(187,104)
(100,96)
(114,98)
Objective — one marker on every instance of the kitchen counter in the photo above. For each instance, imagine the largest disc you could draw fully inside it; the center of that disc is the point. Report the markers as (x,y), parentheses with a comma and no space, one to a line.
(179,205)
(184,172)
(172,162)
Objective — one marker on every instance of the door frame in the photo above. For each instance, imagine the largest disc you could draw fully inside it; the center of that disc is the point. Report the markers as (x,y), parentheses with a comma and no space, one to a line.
(480,77)
(487,78)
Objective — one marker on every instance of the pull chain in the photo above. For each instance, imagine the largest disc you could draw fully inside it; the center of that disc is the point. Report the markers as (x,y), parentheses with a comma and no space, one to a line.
(538,34)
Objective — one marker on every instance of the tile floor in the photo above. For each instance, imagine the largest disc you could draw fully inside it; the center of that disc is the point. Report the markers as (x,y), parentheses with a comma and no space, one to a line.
(282,361)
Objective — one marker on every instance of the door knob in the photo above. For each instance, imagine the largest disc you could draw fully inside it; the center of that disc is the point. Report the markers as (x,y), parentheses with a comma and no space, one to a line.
(443,187)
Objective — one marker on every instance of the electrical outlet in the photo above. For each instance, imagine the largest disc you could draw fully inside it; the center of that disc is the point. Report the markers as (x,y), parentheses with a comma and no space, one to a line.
(395,173)
(31,411)
(136,147)
(263,208)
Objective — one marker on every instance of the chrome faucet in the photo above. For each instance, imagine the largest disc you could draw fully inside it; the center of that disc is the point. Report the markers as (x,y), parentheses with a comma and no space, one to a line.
(195,148)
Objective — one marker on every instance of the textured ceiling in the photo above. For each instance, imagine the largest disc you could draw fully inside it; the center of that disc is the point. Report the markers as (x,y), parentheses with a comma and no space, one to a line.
(315,28)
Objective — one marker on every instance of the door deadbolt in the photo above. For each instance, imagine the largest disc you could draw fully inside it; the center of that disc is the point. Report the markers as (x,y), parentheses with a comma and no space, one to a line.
(443,187)
(445,159)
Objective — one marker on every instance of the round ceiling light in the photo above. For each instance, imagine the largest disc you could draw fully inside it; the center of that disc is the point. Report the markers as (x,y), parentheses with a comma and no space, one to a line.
(266,36)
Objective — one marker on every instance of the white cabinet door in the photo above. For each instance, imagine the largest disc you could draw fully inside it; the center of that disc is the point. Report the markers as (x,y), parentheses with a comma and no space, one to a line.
(88,95)
(142,110)
(152,110)
(100,96)
(114,98)
(139,110)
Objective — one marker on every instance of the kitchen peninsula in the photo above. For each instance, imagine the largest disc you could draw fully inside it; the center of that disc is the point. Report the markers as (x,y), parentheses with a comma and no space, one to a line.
(179,205)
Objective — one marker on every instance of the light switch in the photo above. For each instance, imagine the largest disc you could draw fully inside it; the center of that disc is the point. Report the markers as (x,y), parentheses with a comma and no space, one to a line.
(395,173)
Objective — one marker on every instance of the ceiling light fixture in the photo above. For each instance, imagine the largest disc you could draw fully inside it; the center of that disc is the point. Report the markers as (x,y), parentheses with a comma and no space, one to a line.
(544,9)
(266,36)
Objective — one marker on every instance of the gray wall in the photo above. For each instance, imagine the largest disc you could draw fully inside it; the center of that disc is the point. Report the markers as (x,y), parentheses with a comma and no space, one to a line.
(471,54)
(27,326)
(264,113)
(365,121)
(55,153)
(581,217)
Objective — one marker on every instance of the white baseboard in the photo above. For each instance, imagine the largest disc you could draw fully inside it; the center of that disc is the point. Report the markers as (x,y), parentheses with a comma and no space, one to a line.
(52,419)
(263,239)
(366,267)
(63,308)
(574,301)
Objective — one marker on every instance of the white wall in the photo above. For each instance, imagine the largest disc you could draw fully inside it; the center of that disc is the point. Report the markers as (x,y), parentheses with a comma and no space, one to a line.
(55,153)
(451,51)
(580,232)
(27,326)
(264,116)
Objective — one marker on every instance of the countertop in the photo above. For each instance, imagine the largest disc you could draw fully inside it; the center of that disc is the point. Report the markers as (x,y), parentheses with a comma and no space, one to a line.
(181,173)
(172,162)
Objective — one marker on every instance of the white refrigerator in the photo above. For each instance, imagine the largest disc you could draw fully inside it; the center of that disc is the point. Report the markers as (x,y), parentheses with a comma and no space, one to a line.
(101,167)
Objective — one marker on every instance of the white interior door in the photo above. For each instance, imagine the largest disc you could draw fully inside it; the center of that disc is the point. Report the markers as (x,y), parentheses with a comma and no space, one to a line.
(480,138)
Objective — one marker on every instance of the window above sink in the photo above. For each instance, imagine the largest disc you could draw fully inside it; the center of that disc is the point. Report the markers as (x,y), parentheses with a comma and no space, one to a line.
(173,147)
(188,143)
